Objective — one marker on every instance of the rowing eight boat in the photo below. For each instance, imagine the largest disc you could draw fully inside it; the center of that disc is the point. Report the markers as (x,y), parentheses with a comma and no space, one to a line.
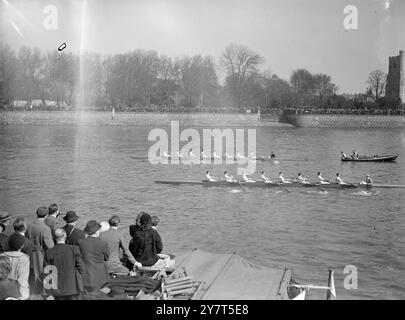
(256,184)
(262,184)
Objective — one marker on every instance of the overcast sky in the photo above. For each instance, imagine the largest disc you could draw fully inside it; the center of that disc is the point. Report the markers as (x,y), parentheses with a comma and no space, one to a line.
(289,34)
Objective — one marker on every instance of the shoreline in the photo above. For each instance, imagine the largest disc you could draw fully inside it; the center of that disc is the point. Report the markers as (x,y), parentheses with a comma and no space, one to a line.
(104,118)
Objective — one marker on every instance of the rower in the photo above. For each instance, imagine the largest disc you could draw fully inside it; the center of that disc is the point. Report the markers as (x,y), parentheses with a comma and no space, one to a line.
(272,155)
(165,154)
(355,155)
(246,178)
(265,179)
(344,156)
(209,177)
(322,180)
(191,154)
(203,155)
(283,180)
(302,179)
(215,155)
(367,182)
(178,154)
(239,156)
(252,155)
(339,180)
(227,156)
(229,177)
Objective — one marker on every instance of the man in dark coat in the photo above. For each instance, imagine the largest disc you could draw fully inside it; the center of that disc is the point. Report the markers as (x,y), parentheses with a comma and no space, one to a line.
(73,233)
(69,265)
(21,228)
(94,253)
(41,236)
(146,243)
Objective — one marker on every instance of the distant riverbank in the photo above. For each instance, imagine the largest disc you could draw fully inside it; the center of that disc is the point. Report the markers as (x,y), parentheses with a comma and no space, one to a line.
(133,119)
(344,121)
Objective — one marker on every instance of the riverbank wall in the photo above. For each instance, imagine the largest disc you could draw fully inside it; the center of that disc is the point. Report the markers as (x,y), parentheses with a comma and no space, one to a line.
(133,119)
(344,121)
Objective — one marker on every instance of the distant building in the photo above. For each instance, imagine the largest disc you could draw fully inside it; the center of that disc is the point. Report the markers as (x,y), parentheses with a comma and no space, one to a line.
(395,88)
(360,97)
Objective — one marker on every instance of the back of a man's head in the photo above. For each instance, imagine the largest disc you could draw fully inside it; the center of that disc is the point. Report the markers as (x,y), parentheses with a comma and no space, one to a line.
(19,225)
(42,212)
(53,208)
(114,221)
(60,235)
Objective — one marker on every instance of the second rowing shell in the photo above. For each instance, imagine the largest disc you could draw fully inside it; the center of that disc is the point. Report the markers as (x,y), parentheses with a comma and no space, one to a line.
(261,159)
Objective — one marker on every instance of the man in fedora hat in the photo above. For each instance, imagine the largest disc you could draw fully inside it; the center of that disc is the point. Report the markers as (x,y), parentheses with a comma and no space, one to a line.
(3,237)
(5,223)
(73,234)
(94,253)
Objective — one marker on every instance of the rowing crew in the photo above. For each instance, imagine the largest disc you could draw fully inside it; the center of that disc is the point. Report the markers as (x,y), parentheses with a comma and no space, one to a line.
(354,155)
(301,179)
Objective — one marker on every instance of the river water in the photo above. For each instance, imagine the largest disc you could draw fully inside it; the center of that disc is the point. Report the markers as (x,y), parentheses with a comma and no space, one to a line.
(90,169)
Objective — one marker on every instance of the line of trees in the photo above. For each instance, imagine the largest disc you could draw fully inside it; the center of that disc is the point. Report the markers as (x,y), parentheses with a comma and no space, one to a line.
(140,78)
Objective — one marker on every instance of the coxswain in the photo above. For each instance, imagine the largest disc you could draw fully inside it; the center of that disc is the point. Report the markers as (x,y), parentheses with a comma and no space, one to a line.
(272,155)
(209,177)
(339,180)
(229,177)
(246,178)
(302,179)
(265,179)
(283,180)
(367,182)
(322,180)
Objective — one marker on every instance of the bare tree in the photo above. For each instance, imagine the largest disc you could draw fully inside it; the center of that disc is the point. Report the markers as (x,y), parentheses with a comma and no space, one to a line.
(324,88)
(376,84)
(240,63)
(8,70)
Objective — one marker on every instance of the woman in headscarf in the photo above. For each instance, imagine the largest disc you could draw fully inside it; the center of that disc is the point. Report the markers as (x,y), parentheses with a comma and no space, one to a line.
(146,242)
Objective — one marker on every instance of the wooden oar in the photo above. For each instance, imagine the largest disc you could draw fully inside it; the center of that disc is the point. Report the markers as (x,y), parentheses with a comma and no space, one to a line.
(244,189)
(319,187)
(279,184)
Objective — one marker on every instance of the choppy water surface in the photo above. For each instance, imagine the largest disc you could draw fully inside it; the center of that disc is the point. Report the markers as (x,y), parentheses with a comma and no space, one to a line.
(89,169)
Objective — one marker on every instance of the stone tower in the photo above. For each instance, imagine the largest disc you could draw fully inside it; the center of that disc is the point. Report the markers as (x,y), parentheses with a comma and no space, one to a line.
(396,78)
